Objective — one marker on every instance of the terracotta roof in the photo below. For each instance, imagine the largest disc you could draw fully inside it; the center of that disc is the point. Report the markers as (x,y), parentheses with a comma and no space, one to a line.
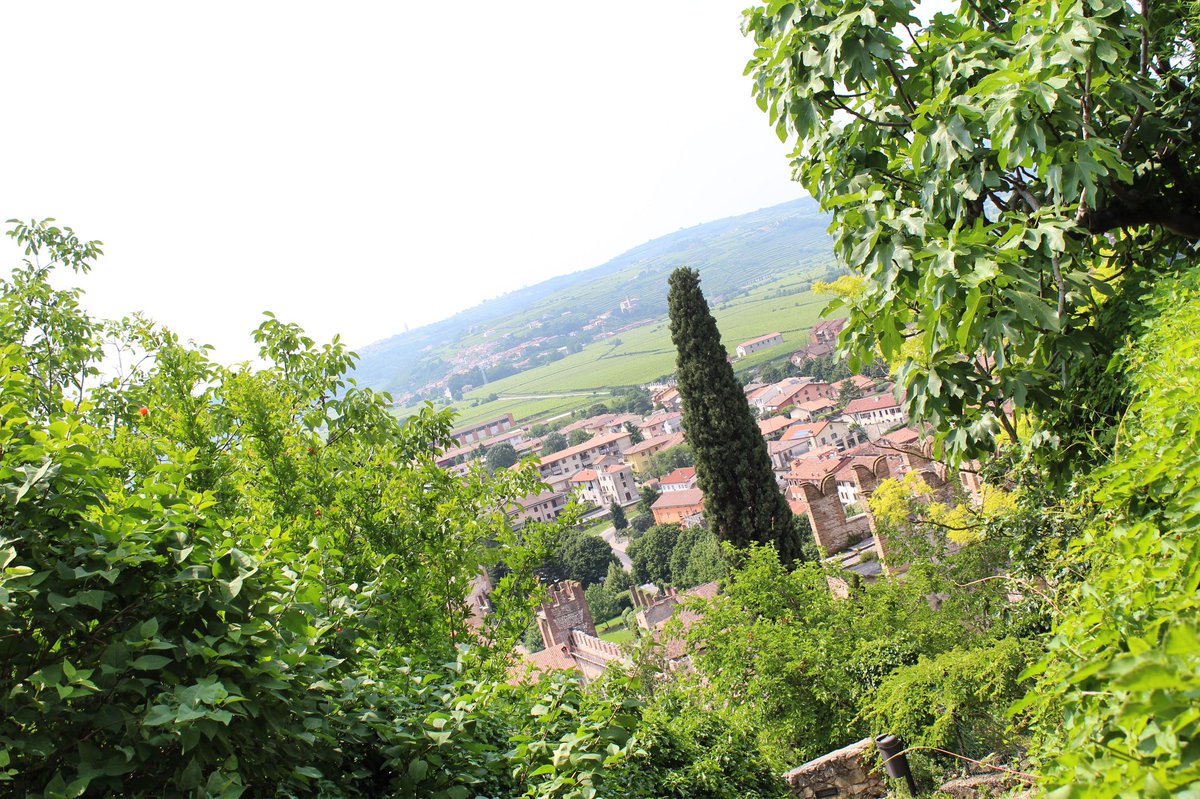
(548,659)
(805,430)
(862,381)
(684,474)
(584,476)
(592,443)
(774,424)
(679,499)
(658,418)
(816,404)
(784,445)
(829,325)
(536,499)
(757,392)
(865,404)
(761,339)
(705,591)
(662,442)
(901,437)
(813,471)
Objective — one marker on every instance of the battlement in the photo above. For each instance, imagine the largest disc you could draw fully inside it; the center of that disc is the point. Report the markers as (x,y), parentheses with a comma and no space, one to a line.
(643,598)
(564,593)
(566,610)
(584,644)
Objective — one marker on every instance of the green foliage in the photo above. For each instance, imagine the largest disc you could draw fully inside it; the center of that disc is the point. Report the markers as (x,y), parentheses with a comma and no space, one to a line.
(617,514)
(800,665)
(955,701)
(617,579)
(578,437)
(233,581)
(555,442)
(742,500)
(651,554)
(999,177)
(1117,692)
(605,602)
(640,523)
(696,558)
(501,456)
(666,461)
(649,495)
(687,749)
(584,558)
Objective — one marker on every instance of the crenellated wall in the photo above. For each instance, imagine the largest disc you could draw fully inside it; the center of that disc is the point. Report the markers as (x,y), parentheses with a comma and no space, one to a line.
(831,529)
(566,610)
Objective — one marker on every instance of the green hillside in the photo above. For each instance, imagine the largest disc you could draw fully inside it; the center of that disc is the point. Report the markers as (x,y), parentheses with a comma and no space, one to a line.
(755,267)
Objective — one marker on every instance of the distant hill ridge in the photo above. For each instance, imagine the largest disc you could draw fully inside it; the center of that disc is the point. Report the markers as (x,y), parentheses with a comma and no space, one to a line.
(732,254)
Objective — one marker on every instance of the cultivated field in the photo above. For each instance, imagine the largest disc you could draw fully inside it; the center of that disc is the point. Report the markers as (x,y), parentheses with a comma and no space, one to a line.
(640,355)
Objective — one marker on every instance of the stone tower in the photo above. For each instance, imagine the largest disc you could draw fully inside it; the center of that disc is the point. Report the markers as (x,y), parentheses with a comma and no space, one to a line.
(566,610)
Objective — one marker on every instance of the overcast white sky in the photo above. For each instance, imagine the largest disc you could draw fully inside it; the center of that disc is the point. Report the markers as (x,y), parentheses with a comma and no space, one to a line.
(355,167)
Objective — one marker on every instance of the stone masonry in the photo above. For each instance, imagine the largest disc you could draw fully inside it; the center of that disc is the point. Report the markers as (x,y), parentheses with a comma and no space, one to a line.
(566,610)
(848,773)
(831,529)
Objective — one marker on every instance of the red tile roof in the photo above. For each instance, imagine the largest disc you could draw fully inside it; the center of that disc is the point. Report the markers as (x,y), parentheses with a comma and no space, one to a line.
(684,474)
(679,499)
(866,404)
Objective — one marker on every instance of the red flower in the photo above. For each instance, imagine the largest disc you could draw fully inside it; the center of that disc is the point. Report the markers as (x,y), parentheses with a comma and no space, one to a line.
(144,411)
(316,512)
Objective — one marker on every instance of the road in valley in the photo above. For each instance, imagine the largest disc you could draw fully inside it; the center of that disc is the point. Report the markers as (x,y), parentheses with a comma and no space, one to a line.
(609,534)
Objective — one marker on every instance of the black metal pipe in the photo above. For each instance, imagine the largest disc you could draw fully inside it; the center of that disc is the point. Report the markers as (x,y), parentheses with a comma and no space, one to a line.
(894,760)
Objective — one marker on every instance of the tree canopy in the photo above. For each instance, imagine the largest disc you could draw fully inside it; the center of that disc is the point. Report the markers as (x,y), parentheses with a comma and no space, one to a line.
(1005,179)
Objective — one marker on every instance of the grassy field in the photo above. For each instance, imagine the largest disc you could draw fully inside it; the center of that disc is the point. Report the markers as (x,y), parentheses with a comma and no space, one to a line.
(613,630)
(643,354)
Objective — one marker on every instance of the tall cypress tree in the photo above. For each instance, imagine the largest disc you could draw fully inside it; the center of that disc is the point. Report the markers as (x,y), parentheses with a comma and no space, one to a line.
(742,501)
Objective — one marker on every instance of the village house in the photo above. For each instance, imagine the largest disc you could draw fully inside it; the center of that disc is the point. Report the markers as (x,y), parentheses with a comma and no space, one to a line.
(811,410)
(581,456)
(759,344)
(822,341)
(668,399)
(466,436)
(861,382)
(876,414)
(586,484)
(543,507)
(837,433)
(678,507)
(616,482)
(602,423)
(638,456)
(766,396)
(772,427)
(783,452)
(805,390)
(682,479)
(663,423)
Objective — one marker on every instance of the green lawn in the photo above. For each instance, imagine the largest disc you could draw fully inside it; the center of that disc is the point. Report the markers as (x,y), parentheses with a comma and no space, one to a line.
(613,630)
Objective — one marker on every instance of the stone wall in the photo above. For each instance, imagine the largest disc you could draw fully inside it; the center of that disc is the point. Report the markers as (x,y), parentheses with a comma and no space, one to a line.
(592,655)
(566,610)
(847,773)
(831,529)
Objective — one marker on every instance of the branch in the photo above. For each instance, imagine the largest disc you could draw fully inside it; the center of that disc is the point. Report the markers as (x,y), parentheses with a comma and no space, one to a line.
(837,102)
(912,109)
